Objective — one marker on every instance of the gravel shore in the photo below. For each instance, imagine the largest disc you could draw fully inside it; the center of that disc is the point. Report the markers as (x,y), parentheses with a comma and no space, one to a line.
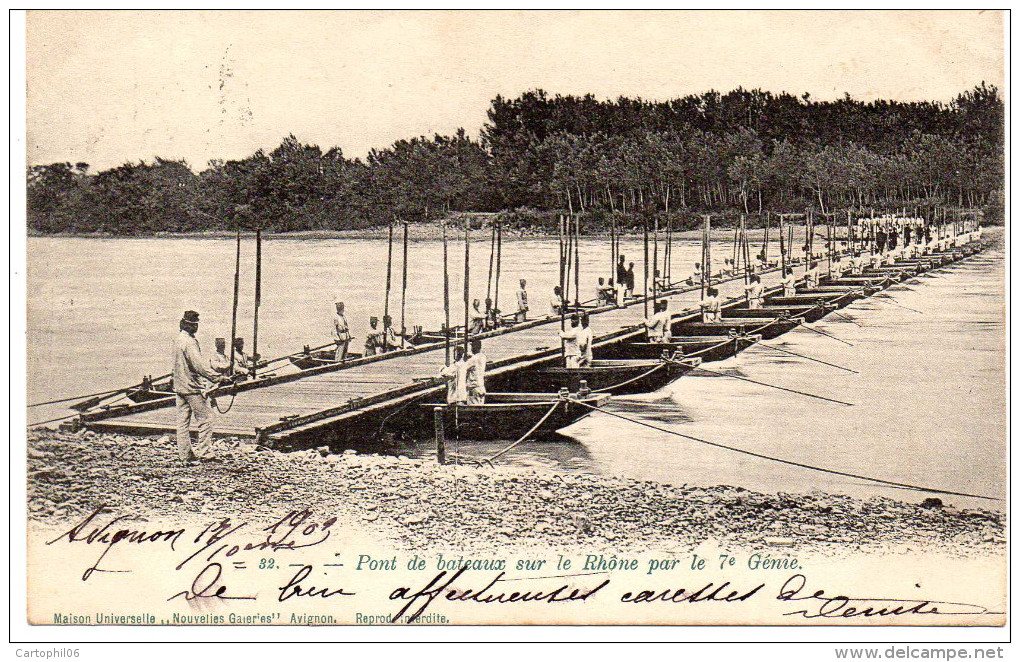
(417,504)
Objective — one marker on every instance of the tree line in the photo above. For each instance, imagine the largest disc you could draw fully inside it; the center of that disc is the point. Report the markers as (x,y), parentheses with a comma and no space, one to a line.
(539,155)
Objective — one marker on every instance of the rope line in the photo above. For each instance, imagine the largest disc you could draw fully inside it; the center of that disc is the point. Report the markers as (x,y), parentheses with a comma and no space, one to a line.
(781,388)
(527,434)
(82,397)
(634,379)
(792,463)
(885,298)
(803,356)
(823,333)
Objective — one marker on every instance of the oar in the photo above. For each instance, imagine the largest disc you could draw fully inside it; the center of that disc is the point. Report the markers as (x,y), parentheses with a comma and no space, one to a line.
(781,388)
(809,358)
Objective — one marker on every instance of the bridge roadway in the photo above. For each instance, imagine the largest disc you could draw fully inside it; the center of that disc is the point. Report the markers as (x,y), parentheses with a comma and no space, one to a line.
(305,403)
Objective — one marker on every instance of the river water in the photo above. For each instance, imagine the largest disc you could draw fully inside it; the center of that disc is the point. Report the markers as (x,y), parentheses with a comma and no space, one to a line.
(928,393)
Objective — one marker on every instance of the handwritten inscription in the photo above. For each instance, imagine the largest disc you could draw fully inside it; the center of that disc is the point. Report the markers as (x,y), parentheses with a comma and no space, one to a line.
(294,589)
(212,562)
(821,605)
(488,594)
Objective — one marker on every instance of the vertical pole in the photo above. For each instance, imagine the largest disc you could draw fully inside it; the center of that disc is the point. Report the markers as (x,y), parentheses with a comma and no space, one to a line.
(765,242)
(492,259)
(403,294)
(258,302)
(655,261)
(437,418)
(563,274)
(446,295)
(567,256)
(736,243)
(467,284)
(746,249)
(808,247)
(389,274)
(237,286)
(828,240)
(706,254)
(782,247)
(577,261)
(612,246)
(849,232)
(645,227)
(667,268)
(499,262)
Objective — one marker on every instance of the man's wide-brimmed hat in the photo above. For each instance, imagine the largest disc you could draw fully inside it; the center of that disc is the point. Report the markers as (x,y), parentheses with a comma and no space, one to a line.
(190,316)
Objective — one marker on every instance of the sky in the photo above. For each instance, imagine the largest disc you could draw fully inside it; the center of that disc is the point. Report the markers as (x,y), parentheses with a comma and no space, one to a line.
(110,87)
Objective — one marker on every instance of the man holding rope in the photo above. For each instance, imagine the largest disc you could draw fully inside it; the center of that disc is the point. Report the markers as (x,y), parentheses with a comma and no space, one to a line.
(190,368)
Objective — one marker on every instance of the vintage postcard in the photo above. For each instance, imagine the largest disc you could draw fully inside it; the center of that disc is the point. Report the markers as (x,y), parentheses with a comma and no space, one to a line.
(515,318)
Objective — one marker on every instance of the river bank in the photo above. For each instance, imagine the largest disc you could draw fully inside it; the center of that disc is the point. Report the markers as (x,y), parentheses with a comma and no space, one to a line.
(417,504)
(416,232)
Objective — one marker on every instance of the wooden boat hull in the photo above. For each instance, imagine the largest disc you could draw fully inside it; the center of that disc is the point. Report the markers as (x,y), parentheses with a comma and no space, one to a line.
(800,299)
(508,416)
(810,313)
(872,283)
(844,295)
(147,395)
(766,328)
(614,376)
(895,272)
(707,348)
(319,358)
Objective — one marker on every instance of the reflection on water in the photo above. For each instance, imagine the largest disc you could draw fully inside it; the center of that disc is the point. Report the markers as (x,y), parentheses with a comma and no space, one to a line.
(929,399)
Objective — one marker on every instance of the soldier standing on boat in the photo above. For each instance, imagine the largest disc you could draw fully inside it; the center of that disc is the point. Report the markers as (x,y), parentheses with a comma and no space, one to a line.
(755,292)
(475,374)
(630,280)
(571,347)
(219,362)
(585,341)
(811,277)
(341,332)
(242,362)
(658,326)
(373,341)
(522,303)
(477,317)
(711,307)
(190,368)
(696,276)
(389,336)
(557,303)
(621,273)
(456,378)
(789,283)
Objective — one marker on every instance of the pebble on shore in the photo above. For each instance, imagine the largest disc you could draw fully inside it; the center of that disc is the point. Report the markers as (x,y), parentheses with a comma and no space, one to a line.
(417,504)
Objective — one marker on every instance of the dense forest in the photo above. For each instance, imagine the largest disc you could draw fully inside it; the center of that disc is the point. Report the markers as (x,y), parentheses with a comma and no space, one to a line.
(744,151)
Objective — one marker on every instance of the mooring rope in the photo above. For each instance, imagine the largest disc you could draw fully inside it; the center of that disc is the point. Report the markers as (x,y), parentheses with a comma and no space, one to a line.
(520,441)
(827,335)
(728,340)
(803,356)
(781,388)
(881,481)
(660,366)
